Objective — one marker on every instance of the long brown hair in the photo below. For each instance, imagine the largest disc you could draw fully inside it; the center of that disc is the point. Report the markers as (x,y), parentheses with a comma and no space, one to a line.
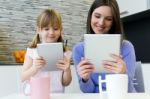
(116,25)
(49,17)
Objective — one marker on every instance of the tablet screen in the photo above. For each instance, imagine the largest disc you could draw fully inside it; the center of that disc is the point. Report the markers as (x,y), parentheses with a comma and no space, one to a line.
(51,52)
(98,47)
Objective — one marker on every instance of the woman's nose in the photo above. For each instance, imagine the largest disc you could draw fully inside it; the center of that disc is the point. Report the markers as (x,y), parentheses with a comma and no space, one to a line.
(101,21)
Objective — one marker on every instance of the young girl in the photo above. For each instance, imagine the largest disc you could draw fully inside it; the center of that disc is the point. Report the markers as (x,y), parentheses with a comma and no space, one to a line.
(49,28)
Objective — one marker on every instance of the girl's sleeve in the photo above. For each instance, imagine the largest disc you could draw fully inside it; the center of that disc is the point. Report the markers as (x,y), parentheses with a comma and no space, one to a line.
(29,52)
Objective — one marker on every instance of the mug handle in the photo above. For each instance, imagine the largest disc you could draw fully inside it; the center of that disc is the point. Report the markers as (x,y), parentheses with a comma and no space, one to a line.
(100,85)
(27,93)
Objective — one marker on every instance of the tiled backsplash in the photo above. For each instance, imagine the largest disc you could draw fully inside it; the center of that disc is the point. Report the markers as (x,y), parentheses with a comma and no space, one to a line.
(17,22)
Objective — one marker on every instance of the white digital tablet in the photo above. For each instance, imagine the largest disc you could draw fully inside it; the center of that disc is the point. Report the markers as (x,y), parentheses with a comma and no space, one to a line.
(51,52)
(98,47)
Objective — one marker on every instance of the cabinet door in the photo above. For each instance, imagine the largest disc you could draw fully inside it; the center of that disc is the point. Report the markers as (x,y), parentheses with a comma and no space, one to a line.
(10,81)
(128,7)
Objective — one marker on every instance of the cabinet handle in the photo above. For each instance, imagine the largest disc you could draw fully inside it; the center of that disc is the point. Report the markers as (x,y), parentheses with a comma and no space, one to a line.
(124,13)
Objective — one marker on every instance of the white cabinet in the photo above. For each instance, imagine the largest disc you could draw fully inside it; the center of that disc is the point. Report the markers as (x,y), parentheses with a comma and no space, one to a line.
(10,79)
(146,73)
(129,7)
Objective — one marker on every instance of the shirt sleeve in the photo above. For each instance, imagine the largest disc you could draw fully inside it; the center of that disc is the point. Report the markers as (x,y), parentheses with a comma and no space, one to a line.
(29,52)
(78,53)
(129,57)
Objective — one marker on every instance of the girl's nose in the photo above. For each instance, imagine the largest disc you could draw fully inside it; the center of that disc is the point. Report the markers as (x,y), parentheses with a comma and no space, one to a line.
(51,31)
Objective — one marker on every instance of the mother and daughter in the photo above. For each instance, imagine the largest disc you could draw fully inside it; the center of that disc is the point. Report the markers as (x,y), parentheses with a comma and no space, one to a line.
(103,17)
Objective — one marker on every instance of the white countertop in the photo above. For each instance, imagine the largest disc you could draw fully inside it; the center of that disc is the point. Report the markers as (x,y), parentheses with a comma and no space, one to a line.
(80,96)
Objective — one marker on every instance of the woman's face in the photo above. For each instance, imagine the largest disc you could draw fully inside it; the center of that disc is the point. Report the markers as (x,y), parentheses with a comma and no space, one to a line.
(101,20)
(50,34)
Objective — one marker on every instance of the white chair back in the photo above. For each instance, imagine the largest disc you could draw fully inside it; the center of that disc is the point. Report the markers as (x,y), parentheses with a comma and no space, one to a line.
(138,78)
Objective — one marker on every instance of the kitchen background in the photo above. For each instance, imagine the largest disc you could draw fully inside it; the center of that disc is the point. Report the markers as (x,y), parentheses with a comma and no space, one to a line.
(18,17)
(17,28)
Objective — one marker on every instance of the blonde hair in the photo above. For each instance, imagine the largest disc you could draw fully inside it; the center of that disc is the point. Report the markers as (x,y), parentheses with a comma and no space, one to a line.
(49,17)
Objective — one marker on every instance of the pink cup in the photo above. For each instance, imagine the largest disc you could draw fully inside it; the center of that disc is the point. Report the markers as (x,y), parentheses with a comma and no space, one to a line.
(39,86)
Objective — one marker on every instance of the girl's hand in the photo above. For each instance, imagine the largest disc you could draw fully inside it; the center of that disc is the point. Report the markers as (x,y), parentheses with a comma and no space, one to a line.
(84,69)
(64,64)
(38,63)
(115,66)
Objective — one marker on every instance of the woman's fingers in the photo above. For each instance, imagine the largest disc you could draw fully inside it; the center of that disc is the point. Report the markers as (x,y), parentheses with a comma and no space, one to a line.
(84,70)
(85,74)
(115,67)
(84,62)
(85,67)
(111,63)
(110,68)
(117,58)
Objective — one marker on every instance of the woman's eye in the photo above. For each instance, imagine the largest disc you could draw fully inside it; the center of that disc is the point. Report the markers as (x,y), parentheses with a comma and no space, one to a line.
(97,16)
(109,19)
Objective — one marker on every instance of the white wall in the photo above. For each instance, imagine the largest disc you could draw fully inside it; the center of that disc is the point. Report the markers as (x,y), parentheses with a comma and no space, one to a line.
(132,6)
(146,77)
(9,79)
(74,86)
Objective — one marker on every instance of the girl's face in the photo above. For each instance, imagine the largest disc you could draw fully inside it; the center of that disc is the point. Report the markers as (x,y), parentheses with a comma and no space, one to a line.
(50,34)
(101,20)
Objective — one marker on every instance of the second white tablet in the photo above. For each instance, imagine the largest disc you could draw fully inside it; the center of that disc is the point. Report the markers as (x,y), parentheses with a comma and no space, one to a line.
(98,47)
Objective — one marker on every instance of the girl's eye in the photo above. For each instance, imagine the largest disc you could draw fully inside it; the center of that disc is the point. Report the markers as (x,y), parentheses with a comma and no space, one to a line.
(46,29)
(55,28)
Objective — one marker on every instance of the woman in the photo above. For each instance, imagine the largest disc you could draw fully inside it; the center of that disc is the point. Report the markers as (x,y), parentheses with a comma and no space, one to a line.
(104,17)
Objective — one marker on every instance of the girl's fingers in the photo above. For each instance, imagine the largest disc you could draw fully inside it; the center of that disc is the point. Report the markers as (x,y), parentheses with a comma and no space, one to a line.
(68,55)
(60,62)
(39,58)
(63,64)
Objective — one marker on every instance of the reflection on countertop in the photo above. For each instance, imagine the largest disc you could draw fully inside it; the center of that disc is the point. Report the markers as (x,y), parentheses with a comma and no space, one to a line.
(12,64)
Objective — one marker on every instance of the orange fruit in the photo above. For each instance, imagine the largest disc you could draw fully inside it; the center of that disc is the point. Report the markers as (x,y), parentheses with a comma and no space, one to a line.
(21,60)
(17,54)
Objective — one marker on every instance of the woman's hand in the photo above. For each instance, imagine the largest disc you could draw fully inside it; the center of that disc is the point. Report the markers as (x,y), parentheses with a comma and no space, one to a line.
(38,63)
(84,69)
(115,66)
